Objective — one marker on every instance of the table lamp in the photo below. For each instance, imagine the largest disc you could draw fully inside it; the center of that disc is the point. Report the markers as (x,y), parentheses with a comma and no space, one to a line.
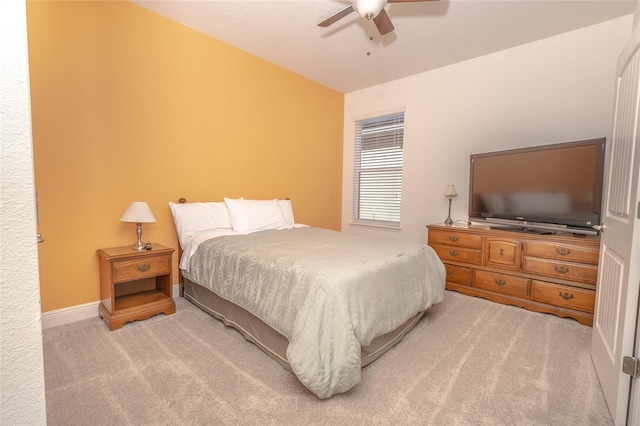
(138,213)
(450,192)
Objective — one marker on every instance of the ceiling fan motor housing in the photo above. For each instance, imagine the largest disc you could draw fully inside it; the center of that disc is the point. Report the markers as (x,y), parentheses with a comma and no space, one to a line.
(369,9)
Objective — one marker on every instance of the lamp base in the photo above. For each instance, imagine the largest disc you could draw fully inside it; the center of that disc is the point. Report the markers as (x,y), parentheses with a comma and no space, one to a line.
(139,246)
(449,221)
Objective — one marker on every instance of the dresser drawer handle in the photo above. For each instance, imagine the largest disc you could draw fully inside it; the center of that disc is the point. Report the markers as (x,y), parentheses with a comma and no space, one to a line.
(453,252)
(563,251)
(561,269)
(500,282)
(449,272)
(566,296)
(453,238)
(144,268)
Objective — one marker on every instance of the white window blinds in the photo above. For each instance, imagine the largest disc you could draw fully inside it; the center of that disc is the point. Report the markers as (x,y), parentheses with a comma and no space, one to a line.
(377,192)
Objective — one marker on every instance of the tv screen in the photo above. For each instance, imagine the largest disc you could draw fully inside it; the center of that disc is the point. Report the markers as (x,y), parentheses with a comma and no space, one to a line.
(542,187)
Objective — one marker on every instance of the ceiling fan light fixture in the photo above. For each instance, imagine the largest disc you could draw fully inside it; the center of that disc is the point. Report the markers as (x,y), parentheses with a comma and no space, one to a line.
(369,9)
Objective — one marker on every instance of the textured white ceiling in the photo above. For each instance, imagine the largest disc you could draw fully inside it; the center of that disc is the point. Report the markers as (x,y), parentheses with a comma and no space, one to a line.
(427,35)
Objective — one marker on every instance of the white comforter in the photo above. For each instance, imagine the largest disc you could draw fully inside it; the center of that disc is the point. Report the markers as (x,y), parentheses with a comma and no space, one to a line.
(329,293)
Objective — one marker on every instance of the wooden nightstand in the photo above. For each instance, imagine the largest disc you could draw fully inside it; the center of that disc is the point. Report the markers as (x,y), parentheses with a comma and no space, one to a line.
(135,285)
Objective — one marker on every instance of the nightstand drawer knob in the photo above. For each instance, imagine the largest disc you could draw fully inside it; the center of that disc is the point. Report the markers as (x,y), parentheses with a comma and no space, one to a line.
(453,238)
(500,282)
(561,269)
(563,251)
(144,268)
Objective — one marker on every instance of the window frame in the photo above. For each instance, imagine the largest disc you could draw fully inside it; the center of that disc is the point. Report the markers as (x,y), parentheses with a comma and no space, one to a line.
(386,134)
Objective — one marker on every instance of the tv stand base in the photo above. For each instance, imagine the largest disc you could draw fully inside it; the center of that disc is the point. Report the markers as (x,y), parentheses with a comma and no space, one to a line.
(551,273)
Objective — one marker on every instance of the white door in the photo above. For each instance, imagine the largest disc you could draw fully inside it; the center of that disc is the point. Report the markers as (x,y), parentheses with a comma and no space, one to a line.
(634,400)
(619,273)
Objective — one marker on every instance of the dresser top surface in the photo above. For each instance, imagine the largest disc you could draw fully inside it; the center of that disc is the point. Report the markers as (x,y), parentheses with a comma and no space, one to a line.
(564,237)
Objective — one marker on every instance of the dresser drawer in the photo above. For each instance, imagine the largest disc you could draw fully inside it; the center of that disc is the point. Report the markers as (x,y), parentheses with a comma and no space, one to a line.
(565,296)
(458,254)
(455,238)
(500,283)
(141,268)
(458,274)
(562,252)
(502,253)
(566,270)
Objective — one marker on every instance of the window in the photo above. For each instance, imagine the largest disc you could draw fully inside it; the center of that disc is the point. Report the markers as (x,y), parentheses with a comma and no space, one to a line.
(377,186)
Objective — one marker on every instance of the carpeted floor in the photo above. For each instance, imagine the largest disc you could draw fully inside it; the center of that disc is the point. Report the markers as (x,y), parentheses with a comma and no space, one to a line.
(468,362)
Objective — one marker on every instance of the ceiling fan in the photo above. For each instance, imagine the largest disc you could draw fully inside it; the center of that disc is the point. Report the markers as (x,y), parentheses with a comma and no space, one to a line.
(369,10)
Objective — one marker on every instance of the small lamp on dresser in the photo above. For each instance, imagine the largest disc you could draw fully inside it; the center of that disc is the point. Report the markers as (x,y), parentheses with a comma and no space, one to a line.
(138,213)
(450,192)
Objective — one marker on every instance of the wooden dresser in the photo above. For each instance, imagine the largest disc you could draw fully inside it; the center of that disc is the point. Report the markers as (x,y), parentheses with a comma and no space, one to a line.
(545,273)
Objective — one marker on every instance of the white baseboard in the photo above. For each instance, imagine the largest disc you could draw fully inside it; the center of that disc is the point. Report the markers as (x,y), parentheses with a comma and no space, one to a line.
(68,315)
(79,312)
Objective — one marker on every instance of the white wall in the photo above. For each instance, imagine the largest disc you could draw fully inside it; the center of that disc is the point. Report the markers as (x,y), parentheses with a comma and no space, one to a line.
(21,361)
(554,90)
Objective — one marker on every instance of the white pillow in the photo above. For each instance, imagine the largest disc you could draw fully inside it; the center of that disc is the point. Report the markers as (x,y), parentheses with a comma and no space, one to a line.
(255,215)
(287,212)
(195,217)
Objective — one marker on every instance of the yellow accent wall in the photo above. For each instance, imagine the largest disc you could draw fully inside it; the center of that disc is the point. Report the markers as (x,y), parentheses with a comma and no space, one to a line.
(130,106)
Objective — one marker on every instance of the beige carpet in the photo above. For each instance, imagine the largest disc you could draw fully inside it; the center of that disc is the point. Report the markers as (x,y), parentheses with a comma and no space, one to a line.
(468,362)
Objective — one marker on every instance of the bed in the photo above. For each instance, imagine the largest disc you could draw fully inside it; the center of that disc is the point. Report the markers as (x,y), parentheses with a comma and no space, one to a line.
(321,303)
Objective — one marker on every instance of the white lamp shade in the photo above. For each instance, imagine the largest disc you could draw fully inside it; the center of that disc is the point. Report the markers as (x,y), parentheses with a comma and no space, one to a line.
(138,212)
(450,191)
(369,9)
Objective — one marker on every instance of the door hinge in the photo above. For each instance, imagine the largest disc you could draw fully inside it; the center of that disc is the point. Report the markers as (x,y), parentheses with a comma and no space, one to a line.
(631,366)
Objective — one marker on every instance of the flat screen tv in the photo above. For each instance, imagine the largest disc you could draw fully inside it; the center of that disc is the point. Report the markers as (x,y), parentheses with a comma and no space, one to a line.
(545,189)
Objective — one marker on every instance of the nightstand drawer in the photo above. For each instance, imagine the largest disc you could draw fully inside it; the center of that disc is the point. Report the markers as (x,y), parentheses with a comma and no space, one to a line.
(458,274)
(566,270)
(500,283)
(141,268)
(560,295)
(455,238)
(458,254)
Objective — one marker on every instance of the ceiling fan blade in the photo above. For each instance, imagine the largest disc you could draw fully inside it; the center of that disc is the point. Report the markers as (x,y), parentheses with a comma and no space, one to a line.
(344,12)
(383,22)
